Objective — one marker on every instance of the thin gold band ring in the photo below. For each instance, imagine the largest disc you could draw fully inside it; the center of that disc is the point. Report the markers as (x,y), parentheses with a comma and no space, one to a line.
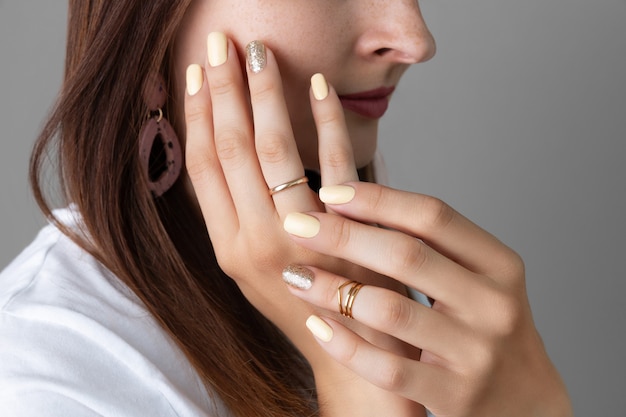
(282,187)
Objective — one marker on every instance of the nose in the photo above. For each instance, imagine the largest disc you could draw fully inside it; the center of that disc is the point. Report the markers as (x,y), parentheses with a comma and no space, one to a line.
(394,31)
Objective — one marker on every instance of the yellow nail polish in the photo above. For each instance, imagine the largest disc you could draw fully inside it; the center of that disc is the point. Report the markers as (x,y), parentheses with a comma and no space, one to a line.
(217,48)
(319,86)
(301,225)
(319,328)
(194,79)
(337,194)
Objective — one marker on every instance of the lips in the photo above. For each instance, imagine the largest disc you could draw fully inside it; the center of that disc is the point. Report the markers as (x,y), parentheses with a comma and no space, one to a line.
(371,104)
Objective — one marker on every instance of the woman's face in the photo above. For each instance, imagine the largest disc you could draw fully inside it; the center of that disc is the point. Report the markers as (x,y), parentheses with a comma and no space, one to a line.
(359,45)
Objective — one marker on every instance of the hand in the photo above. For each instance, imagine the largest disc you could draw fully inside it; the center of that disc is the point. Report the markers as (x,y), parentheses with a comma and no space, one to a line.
(240,144)
(481,353)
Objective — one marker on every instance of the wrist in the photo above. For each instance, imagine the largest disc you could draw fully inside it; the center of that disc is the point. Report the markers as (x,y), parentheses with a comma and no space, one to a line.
(341,392)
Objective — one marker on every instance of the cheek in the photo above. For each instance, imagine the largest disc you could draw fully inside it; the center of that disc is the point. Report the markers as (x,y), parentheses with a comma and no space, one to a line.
(297,65)
(295,74)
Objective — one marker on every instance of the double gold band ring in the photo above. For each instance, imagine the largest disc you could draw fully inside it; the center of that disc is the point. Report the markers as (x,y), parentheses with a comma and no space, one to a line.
(345,308)
(282,187)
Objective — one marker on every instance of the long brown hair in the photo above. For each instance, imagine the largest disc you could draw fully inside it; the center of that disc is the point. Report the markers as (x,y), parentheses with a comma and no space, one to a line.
(158,247)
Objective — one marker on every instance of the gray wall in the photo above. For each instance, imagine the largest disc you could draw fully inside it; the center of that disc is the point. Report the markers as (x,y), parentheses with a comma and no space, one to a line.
(32,50)
(519,122)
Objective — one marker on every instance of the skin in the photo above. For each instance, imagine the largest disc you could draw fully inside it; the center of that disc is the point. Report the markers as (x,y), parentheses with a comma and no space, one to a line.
(246,132)
(358,45)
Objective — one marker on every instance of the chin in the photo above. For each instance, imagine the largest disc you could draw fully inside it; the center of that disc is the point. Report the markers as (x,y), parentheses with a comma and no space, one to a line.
(364,137)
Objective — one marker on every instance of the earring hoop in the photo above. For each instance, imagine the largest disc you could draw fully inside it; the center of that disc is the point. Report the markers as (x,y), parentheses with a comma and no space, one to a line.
(162,130)
(158,128)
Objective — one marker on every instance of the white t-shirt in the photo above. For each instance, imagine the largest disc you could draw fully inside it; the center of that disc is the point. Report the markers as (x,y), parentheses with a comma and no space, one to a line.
(75,342)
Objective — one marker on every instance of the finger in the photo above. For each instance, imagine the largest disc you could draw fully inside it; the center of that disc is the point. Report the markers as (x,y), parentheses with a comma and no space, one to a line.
(233,131)
(435,222)
(275,144)
(421,382)
(386,311)
(388,252)
(336,156)
(203,166)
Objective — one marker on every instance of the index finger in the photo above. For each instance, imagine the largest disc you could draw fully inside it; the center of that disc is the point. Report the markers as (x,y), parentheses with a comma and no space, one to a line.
(435,222)
(387,252)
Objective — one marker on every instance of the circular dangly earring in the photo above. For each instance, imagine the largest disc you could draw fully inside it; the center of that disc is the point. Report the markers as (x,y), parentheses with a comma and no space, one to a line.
(159,149)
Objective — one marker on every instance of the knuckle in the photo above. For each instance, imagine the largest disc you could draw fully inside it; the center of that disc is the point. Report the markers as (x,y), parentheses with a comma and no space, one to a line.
(338,157)
(436,214)
(515,269)
(508,267)
(198,165)
(264,92)
(505,314)
(229,143)
(376,199)
(341,233)
(220,86)
(396,314)
(407,255)
(349,353)
(508,321)
(330,118)
(482,361)
(393,376)
(273,147)
(195,113)
(199,160)
(225,261)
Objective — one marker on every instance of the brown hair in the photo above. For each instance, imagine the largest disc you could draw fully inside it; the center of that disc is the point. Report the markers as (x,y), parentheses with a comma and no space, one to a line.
(158,247)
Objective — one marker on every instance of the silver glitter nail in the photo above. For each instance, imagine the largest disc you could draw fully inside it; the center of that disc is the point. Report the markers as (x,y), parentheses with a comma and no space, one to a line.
(298,277)
(255,55)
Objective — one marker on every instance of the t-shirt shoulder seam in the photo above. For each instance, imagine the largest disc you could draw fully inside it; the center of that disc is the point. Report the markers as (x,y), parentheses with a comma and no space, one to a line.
(35,274)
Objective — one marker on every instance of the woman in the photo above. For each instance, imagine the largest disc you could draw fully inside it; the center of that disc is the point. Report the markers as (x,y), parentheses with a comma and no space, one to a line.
(142,314)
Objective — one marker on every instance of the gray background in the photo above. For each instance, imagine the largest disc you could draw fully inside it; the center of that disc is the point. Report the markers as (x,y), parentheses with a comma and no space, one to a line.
(519,122)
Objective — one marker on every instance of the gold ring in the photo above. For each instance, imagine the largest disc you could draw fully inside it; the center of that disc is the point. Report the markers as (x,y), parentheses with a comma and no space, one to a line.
(346,308)
(282,187)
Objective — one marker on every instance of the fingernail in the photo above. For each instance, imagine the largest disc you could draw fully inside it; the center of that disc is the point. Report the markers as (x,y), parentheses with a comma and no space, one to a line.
(256,56)
(217,48)
(337,194)
(301,225)
(319,328)
(194,79)
(319,86)
(298,276)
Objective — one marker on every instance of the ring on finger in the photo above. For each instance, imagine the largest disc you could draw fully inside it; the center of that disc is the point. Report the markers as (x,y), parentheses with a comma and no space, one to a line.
(289,184)
(345,308)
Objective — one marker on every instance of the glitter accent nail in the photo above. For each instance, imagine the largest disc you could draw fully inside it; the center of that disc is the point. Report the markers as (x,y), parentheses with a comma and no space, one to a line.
(298,277)
(256,57)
